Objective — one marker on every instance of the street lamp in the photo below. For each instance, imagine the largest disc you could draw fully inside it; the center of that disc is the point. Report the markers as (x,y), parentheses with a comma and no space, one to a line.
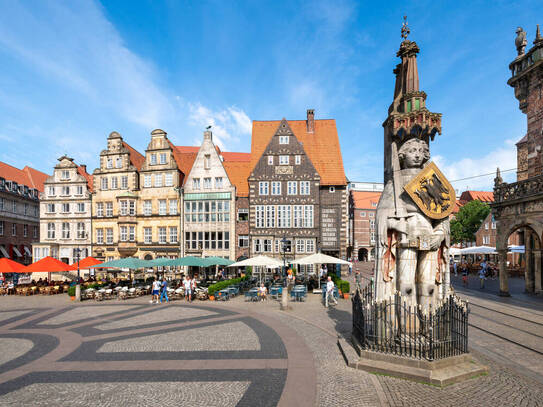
(78,286)
(284,297)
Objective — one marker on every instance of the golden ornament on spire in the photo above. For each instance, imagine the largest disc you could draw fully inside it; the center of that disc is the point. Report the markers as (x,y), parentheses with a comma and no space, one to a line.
(405,28)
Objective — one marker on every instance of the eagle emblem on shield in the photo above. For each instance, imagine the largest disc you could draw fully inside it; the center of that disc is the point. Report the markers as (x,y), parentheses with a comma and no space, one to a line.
(432,192)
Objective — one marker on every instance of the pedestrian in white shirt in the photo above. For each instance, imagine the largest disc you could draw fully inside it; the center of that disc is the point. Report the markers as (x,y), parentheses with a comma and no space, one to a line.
(329,292)
(187,283)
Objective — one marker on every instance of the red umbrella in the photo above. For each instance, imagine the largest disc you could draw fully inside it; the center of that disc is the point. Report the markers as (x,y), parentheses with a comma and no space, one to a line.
(10,266)
(50,265)
(87,262)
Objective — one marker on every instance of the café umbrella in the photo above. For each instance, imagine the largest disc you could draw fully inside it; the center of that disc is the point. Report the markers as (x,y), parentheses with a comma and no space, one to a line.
(49,265)
(130,263)
(258,261)
(320,258)
(10,266)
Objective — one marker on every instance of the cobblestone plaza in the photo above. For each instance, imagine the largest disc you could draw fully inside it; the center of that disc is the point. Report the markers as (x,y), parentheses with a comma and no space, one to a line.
(240,353)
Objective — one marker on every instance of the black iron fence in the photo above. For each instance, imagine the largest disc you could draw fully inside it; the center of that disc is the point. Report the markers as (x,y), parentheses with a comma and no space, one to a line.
(393,326)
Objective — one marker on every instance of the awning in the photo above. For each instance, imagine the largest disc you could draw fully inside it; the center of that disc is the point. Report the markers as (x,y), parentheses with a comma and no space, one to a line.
(4,252)
(17,252)
(27,251)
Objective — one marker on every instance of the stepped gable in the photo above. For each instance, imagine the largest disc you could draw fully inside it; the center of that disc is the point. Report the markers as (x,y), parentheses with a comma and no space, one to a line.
(321,146)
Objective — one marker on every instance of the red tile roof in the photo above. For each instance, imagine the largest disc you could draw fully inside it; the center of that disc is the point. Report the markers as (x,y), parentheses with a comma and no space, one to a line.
(28,176)
(322,146)
(238,172)
(365,199)
(483,196)
(90,180)
(136,159)
(458,204)
(236,156)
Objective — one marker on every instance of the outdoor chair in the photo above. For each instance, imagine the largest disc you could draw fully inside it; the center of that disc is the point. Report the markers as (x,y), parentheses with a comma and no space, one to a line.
(178,293)
(99,295)
(108,294)
(132,292)
(251,295)
(222,295)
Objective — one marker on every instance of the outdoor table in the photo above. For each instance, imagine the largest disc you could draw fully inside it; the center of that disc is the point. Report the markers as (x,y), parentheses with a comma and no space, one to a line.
(298,293)
(252,294)
(276,291)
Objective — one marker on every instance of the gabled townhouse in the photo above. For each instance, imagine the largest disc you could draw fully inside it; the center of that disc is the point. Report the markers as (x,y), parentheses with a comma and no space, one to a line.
(297,189)
(65,213)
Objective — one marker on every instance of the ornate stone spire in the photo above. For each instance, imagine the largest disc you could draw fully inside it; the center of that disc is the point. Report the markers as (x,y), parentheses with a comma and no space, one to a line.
(538,37)
(408,114)
(498,180)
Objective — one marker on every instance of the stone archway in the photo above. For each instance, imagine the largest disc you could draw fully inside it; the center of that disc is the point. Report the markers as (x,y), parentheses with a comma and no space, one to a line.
(362,254)
(148,256)
(531,234)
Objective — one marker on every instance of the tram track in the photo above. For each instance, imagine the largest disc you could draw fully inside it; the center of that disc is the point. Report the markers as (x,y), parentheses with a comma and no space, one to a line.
(473,304)
(505,338)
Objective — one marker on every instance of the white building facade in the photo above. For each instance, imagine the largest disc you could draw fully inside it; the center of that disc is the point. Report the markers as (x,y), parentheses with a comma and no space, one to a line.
(65,214)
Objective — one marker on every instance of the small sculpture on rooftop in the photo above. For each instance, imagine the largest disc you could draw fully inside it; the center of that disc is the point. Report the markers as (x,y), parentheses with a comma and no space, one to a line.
(520,41)
(405,29)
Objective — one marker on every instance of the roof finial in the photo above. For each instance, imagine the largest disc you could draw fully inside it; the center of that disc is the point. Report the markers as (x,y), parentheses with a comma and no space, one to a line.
(538,37)
(405,29)
(498,180)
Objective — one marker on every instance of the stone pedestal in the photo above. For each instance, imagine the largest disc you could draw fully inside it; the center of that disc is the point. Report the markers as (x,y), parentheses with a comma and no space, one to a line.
(440,372)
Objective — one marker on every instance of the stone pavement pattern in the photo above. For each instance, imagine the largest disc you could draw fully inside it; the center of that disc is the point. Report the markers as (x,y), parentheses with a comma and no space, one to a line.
(236,352)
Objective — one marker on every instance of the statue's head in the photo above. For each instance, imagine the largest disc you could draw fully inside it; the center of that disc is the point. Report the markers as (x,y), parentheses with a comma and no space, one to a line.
(413,153)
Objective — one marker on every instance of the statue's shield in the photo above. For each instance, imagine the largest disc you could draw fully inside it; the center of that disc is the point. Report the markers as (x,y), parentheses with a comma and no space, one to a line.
(432,192)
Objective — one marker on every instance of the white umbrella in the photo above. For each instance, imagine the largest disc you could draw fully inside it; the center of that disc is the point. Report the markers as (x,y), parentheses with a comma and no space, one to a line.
(479,250)
(262,261)
(258,261)
(319,258)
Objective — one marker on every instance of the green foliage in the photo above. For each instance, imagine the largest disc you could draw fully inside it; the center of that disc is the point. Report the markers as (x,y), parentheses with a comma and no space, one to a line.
(342,285)
(468,220)
(71,291)
(221,285)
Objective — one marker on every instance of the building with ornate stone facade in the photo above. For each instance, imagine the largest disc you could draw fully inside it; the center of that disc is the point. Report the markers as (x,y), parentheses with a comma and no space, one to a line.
(209,205)
(297,189)
(19,211)
(116,180)
(518,206)
(65,213)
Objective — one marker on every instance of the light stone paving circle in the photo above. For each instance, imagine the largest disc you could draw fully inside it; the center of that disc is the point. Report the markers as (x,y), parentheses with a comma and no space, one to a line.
(233,336)
(195,394)
(12,348)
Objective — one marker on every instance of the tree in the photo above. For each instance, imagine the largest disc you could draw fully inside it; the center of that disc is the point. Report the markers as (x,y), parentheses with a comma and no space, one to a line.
(468,220)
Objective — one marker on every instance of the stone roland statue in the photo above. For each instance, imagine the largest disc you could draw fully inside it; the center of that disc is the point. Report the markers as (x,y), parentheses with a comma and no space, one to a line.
(412,247)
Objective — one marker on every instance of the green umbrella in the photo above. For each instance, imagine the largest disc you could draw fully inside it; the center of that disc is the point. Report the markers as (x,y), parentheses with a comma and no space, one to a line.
(185,261)
(164,261)
(128,262)
(217,261)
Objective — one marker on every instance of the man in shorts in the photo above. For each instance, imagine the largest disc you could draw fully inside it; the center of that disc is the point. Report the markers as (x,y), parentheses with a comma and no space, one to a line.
(155,292)
(187,283)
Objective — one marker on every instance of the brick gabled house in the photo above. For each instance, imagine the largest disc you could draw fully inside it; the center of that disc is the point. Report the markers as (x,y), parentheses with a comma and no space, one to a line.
(297,188)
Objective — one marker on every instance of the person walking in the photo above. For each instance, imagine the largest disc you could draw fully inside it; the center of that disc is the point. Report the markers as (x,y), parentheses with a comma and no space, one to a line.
(164,290)
(329,292)
(455,268)
(188,288)
(156,292)
(482,277)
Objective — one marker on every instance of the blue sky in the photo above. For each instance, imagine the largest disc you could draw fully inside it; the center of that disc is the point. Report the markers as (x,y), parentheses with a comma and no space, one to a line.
(74,71)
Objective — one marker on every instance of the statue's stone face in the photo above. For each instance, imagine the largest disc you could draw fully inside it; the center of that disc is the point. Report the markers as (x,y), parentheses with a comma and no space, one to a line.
(414,154)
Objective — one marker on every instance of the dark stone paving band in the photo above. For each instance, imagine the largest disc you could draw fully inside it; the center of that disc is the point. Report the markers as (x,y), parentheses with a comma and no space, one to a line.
(265,389)
(271,346)
(43,344)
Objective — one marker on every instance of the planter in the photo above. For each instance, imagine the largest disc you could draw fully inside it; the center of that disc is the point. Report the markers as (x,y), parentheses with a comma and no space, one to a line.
(72,298)
(346,296)
(211,298)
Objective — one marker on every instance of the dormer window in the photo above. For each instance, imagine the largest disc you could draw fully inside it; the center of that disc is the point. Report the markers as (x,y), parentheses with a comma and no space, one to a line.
(283,139)
(153,159)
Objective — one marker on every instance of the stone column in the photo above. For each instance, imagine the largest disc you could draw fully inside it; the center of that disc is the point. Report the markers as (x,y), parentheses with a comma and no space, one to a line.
(528,270)
(537,271)
(504,284)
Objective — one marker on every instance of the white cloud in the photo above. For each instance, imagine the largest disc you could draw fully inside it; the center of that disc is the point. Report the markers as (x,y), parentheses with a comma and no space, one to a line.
(503,157)
(227,125)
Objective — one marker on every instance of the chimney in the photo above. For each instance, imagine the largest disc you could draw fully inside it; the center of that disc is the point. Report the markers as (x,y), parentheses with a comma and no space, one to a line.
(310,120)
